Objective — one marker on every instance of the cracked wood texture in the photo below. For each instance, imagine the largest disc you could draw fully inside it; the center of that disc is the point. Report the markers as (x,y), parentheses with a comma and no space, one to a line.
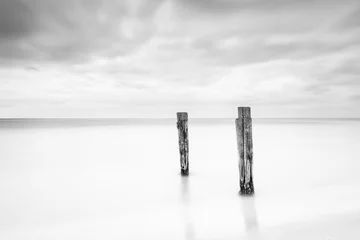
(245,148)
(182,126)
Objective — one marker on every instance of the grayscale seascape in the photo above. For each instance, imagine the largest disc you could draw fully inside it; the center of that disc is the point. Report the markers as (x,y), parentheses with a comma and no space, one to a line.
(179,119)
(119,179)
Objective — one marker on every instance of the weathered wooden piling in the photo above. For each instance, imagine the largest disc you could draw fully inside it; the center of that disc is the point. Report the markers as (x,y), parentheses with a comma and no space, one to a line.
(245,148)
(182,126)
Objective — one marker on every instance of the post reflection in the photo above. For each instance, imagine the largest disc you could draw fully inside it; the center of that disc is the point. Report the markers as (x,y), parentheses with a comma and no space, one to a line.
(185,201)
(250,217)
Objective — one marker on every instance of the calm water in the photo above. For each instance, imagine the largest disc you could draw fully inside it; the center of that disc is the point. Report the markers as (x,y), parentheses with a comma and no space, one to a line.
(119,179)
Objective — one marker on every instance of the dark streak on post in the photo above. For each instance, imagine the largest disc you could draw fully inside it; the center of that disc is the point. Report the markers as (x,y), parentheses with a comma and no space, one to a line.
(245,148)
(182,126)
(244,112)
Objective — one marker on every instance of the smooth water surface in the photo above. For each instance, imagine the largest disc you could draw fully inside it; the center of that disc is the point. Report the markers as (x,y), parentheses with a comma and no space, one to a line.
(119,179)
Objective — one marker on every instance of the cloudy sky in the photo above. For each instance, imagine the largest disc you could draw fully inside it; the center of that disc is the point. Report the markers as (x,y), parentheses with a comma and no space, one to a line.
(152,58)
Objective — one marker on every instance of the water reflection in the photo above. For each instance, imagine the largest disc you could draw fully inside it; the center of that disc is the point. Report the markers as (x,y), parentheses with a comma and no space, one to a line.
(185,200)
(250,217)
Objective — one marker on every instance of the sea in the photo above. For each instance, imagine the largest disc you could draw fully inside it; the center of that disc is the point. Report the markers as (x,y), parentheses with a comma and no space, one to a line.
(120,179)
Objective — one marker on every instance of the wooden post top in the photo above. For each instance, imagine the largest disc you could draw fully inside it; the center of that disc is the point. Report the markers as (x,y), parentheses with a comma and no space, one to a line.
(182,116)
(244,112)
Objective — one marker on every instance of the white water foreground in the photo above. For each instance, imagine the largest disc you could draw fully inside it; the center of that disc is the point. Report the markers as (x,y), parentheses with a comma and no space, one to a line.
(119,179)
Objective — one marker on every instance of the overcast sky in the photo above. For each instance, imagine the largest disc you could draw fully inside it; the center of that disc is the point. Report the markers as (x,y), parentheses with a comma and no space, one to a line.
(152,58)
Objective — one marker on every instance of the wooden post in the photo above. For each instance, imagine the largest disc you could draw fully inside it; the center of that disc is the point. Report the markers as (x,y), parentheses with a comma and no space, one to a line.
(245,148)
(182,126)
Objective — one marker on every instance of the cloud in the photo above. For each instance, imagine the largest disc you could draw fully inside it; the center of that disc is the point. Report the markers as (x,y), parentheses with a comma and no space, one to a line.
(72,30)
(238,6)
(15,19)
(350,21)
(356,97)
(177,53)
